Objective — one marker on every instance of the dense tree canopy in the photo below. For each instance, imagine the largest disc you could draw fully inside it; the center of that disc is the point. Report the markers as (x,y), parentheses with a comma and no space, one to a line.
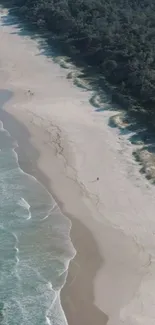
(115,36)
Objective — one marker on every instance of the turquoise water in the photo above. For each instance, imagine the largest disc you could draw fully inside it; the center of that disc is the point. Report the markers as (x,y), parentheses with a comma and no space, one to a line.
(35,246)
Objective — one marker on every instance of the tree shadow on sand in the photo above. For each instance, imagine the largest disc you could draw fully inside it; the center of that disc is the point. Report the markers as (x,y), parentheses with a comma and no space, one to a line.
(52,46)
(103,97)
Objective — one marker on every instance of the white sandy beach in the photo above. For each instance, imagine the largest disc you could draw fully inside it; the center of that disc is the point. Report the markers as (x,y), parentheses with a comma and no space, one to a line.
(111,281)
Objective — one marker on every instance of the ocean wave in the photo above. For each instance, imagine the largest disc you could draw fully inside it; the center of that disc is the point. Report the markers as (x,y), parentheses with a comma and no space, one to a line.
(35,246)
(31,302)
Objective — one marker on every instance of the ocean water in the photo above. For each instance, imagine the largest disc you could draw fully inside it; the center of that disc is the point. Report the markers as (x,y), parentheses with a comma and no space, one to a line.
(35,246)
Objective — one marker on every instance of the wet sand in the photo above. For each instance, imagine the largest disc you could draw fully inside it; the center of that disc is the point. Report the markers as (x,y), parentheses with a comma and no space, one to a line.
(67,146)
(90,276)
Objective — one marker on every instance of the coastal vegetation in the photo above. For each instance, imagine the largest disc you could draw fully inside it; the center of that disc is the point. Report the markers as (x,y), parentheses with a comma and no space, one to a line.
(117,38)
(114,40)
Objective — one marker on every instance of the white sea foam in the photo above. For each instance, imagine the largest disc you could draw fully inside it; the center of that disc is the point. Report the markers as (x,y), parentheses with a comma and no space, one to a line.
(122,204)
(23,203)
(2,129)
(19,303)
(53,208)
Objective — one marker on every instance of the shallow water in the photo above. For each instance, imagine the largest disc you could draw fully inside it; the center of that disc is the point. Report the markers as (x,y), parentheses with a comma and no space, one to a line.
(35,245)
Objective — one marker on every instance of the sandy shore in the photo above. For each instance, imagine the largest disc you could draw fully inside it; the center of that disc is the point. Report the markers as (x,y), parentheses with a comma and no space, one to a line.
(67,146)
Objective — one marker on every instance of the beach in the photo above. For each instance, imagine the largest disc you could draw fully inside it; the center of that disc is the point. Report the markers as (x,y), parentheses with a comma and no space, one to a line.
(90,172)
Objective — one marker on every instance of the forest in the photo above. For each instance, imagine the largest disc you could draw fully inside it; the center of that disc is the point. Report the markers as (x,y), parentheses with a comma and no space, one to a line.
(115,37)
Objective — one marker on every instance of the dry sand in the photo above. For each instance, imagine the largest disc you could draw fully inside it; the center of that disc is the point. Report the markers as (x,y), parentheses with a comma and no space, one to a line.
(67,146)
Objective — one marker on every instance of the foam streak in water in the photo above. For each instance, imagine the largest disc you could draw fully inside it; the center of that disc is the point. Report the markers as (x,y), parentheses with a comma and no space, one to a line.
(35,245)
(23,203)
(53,208)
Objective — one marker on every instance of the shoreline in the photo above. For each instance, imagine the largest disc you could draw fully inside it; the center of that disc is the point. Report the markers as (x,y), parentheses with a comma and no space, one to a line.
(11,124)
(66,146)
(84,233)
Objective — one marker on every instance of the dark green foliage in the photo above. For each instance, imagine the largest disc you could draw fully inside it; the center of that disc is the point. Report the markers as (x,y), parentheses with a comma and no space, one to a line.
(117,37)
